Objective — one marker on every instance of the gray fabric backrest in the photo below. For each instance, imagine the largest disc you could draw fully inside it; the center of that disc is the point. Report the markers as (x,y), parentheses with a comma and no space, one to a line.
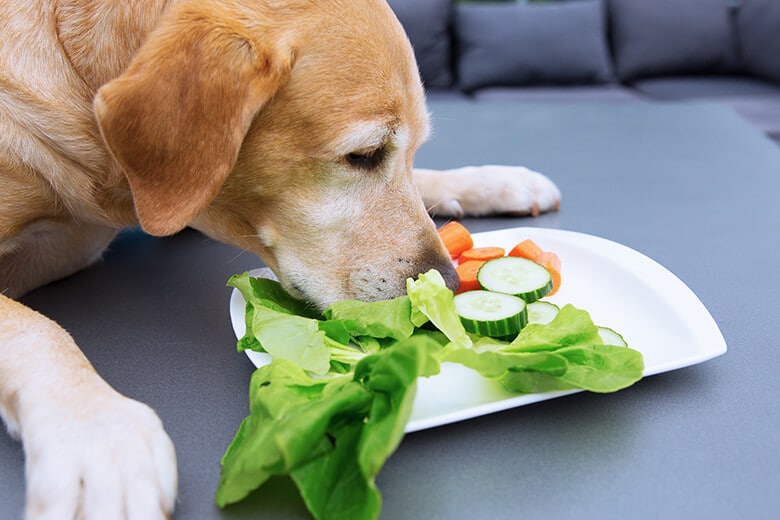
(672,37)
(531,44)
(428,24)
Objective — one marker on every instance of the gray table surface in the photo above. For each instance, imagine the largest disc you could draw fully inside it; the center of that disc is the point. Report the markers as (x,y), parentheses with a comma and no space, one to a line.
(691,186)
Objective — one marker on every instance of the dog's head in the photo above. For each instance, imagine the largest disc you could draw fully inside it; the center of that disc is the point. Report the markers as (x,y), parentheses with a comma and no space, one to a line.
(287,129)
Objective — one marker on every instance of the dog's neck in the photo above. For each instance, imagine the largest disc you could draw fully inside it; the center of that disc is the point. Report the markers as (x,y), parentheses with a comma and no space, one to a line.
(100,37)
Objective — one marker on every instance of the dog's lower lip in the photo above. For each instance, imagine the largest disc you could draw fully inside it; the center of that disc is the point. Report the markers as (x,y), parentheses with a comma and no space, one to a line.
(299,291)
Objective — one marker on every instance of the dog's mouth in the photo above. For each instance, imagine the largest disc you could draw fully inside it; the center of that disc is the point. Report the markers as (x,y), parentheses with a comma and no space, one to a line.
(365,283)
(369,285)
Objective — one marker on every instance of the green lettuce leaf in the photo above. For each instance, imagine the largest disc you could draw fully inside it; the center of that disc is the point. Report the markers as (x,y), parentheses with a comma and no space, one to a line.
(432,300)
(571,326)
(392,380)
(382,319)
(263,292)
(294,338)
(495,363)
(270,293)
(330,435)
(287,426)
(333,434)
(597,368)
(567,353)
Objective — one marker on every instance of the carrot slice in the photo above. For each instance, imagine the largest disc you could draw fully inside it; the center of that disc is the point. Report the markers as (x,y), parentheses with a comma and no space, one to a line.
(481,253)
(467,272)
(456,238)
(552,263)
(526,249)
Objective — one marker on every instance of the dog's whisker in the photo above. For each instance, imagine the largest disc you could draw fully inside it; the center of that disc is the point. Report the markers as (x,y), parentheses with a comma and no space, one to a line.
(237,256)
(433,206)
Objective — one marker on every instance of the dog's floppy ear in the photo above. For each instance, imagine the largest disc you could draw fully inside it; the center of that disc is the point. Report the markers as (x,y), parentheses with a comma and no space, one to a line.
(176,118)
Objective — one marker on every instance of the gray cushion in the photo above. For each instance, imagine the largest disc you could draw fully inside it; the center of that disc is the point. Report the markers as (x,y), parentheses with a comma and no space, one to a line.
(705,87)
(447,95)
(663,37)
(762,112)
(759,37)
(755,100)
(536,44)
(569,94)
(428,24)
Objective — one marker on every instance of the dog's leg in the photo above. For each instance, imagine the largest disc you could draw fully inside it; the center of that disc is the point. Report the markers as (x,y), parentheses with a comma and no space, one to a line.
(91,453)
(486,190)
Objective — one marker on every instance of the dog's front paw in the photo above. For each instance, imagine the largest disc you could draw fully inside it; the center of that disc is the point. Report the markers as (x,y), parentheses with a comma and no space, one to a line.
(487,190)
(105,456)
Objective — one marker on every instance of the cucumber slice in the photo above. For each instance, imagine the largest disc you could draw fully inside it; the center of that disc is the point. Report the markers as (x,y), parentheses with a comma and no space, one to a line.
(490,313)
(517,276)
(610,337)
(542,312)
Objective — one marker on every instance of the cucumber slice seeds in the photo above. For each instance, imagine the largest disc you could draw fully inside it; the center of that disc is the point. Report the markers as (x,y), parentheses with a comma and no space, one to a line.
(491,314)
(516,276)
(542,312)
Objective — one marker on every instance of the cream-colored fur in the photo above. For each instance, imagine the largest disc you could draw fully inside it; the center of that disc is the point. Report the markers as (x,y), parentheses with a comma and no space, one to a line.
(285,128)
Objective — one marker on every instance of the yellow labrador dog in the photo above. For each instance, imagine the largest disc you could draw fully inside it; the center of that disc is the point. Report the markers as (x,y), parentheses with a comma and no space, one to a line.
(279,127)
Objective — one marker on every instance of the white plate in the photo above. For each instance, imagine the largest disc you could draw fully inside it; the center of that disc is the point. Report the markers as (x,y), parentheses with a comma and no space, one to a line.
(654,310)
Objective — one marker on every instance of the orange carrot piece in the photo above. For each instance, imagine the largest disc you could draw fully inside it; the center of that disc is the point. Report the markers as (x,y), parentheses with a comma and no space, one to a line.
(552,263)
(481,253)
(467,272)
(526,249)
(456,238)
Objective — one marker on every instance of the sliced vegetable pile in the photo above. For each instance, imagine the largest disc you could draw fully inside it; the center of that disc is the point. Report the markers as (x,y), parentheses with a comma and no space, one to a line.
(459,243)
(332,405)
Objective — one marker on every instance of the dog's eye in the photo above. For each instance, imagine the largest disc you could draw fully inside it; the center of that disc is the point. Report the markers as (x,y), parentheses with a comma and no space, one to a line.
(366,160)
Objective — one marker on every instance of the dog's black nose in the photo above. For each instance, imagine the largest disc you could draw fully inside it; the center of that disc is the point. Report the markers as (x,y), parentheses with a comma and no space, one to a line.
(445,268)
(430,261)
(450,276)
